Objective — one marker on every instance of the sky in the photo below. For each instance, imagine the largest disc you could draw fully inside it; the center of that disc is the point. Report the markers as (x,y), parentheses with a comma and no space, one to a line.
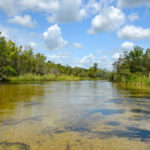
(77,32)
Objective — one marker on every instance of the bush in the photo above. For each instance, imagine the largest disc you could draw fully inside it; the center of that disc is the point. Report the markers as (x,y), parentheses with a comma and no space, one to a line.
(8,71)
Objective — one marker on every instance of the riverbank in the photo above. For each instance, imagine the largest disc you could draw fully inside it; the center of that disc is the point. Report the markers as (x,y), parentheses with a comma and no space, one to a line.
(47,77)
(131,80)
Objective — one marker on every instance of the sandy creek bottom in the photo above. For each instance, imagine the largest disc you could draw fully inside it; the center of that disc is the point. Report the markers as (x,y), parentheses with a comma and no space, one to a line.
(83,115)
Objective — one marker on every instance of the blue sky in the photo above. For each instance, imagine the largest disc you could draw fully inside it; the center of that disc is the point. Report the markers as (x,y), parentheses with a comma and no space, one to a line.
(77,32)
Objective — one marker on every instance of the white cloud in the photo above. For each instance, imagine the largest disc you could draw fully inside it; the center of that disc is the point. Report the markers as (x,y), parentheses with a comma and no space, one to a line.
(77,45)
(32,45)
(116,56)
(105,62)
(110,19)
(53,38)
(68,11)
(134,33)
(133,17)
(127,45)
(87,61)
(39,5)
(9,6)
(57,11)
(25,21)
(74,10)
(13,7)
(132,3)
(59,57)
(92,7)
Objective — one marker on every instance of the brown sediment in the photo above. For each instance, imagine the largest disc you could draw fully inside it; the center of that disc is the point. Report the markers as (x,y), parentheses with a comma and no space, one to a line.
(13,146)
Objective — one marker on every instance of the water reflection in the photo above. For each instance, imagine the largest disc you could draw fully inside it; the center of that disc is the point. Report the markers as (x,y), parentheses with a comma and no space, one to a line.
(73,115)
(107,111)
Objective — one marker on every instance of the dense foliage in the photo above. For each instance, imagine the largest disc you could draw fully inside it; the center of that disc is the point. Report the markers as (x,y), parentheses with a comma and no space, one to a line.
(16,61)
(132,66)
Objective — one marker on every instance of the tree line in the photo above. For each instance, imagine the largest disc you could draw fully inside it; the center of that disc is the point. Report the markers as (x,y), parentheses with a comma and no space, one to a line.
(132,65)
(16,60)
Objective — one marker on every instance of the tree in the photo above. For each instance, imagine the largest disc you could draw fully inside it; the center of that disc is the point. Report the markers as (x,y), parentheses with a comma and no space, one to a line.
(133,63)
(95,66)
(16,60)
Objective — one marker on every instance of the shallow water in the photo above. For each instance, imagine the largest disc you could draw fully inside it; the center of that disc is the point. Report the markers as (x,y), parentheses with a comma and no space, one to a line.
(83,115)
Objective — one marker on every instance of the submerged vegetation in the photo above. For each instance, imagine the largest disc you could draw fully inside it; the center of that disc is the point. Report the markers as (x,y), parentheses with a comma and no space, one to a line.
(133,67)
(18,63)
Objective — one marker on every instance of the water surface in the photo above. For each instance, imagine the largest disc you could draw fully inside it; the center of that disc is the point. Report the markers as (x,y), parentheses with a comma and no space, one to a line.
(81,115)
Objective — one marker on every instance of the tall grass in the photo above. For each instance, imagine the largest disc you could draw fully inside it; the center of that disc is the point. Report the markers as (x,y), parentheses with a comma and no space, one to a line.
(46,77)
(132,79)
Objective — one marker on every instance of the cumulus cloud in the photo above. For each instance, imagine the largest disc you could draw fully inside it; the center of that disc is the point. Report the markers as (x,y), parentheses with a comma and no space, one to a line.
(68,11)
(53,38)
(59,11)
(59,57)
(25,21)
(87,61)
(77,45)
(133,17)
(110,19)
(116,56)
(39,5)
(32,45)
(132,3)
(13,7)
(127,45)
(9,6)
(74,10)
(134,33)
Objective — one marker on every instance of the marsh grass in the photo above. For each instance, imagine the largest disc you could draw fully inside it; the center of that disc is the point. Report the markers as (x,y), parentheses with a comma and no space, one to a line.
(134,80)
(46,77)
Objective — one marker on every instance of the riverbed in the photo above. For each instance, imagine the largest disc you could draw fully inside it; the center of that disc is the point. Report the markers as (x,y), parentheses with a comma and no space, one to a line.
(79,115)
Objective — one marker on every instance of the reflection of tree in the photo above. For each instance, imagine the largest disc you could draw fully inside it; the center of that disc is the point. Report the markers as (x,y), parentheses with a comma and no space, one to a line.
(12,95)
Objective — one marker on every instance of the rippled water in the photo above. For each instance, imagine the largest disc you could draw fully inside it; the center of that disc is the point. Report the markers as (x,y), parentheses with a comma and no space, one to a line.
(84,115)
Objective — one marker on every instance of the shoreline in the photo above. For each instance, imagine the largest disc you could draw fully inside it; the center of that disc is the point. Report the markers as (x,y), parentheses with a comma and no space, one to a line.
(46,77)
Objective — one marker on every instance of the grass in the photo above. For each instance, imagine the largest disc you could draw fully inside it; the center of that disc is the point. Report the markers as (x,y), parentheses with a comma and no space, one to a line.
(134,80)
(47,77)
